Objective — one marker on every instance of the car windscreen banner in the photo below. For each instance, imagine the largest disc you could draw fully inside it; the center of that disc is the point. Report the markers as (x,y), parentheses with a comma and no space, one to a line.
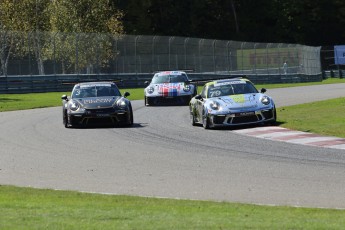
(339,55)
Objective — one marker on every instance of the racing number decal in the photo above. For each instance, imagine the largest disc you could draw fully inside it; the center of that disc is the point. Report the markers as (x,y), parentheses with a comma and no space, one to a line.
(238,98)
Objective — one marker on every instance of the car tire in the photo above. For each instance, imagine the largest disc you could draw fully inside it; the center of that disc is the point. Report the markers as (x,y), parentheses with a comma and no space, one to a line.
(65,119)
(130,123)
(274,121)
(70,123)
(205,121)
(148,101)
(192,118)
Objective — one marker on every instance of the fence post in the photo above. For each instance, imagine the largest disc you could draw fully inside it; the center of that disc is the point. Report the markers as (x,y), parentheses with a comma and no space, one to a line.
(185,52)
(255,58)
(214,56)
(76,54)
(242,44)
(153,53)
(135,53)
(170,39)
(29,44)
(200,41)
(267,60)
(229,56)
(54,53)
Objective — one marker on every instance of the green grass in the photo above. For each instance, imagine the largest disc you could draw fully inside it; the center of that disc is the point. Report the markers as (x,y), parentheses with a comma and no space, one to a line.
(324,117)
(26,208)
(10,102)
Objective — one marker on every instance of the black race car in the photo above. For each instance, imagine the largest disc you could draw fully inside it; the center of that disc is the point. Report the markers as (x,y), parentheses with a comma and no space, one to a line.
(96,103)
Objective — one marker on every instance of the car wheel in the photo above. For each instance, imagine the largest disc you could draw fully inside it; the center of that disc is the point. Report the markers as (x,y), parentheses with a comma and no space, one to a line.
(274,121)
(192,117)
(64,119)
(205,121)
(70,123)
(275,117)
(130,122)
(148,101)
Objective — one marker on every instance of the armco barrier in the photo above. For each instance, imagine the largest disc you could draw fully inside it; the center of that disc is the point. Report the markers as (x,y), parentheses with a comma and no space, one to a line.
(64,83)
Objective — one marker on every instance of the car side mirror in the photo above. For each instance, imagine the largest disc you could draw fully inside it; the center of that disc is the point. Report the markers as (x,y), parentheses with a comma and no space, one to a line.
(146,83)
(126,94)
(64,97)
(198,97)
(263,90)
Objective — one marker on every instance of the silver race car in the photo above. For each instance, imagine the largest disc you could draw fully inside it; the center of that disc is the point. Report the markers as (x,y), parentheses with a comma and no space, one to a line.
(169,87)
(231,102)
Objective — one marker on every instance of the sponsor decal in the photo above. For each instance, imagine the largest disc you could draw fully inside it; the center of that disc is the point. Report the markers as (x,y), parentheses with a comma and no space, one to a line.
(169,73)
(170,90)
(243,114)
(240,98)
(98,100)
(94,85)
(229,82)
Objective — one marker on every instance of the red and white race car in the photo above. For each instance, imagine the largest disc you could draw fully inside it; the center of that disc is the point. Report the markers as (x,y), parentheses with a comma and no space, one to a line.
(169,87)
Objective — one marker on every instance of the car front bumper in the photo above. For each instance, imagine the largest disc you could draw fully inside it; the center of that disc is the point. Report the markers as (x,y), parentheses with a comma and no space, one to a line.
(242,118)
(94,117)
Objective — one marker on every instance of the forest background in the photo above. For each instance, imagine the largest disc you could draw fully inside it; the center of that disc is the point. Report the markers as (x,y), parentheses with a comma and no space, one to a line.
(308,22)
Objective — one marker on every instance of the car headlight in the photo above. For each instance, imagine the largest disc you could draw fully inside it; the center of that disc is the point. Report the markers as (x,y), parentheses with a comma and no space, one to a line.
(150,90)
(265,100)
(186,88)
(74,106)
(214,105)
(121,103)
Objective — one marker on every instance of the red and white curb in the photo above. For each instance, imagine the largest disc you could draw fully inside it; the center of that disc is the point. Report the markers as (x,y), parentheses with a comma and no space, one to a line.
(292,136)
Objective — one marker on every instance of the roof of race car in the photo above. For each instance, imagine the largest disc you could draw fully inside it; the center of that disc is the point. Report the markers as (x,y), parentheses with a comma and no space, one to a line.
(227,81)
(163,73)
(91,84)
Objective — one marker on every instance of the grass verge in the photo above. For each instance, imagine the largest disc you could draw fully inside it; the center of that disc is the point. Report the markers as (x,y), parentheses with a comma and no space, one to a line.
(10,102)
(323,117)
(26,208)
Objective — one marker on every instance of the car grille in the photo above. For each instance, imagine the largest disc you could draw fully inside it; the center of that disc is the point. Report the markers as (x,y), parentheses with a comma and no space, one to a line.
(244,119)
(172,100)
(268,114)
(101,110)
(218,119)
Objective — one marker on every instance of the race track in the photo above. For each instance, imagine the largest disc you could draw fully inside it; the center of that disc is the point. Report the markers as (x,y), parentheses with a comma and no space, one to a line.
(163,155)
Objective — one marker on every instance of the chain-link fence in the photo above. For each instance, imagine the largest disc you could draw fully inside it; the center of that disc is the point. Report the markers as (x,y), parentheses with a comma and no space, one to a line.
(38,53)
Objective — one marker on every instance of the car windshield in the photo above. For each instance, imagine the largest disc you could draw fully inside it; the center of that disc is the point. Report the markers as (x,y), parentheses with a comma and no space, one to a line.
(231,88)
(159,79)
(95,90)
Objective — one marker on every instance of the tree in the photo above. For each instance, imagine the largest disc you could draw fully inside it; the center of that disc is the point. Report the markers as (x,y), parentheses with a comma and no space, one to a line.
(26,16)
(79,25)
(136,16)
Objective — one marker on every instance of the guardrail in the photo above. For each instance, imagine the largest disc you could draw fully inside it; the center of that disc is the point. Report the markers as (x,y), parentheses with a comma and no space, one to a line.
(64,83)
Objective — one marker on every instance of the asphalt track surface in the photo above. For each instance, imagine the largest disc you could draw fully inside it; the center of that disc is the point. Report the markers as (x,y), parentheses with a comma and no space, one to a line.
(163,155)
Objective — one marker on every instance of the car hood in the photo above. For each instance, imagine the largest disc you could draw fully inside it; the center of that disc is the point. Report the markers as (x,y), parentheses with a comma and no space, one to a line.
(240,101)
(170,89)
(97,102)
